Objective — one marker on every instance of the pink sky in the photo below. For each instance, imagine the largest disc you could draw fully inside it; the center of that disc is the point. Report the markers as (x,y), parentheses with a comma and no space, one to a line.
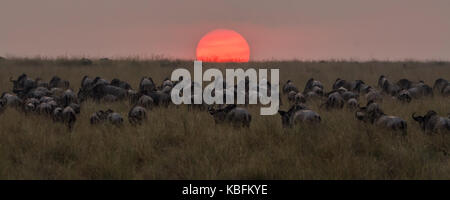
(294,29)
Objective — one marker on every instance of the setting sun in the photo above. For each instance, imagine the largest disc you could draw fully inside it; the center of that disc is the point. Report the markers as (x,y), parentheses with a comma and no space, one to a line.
(223,45)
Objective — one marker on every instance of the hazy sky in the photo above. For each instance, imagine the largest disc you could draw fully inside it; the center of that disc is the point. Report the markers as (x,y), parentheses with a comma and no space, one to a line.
(282,29)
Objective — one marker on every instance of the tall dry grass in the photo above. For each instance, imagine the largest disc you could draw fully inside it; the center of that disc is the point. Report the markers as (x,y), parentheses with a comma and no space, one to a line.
(175,143)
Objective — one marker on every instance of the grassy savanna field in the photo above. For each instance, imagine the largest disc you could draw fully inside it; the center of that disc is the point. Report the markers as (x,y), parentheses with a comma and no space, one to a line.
(175,143)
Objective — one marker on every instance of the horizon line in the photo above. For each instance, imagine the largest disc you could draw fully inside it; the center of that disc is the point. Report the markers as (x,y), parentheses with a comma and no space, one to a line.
(163,58)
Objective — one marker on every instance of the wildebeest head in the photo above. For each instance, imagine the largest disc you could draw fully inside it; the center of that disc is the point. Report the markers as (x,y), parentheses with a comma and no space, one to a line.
(18,83)
(370,113)
(100,116)
(145,101)
(439,84)
(311,83)
(381,81)
(86,82)
(286,116)
(357,85)
(236,116)
(220,113)
(23,84)
(167,82)
(115,119)
(404,84)
(334,100)
(68,97)
(146,85)
(11,100)
(56,82)
(30,105)
(289,86)
(338,83)
(404,96)
(431,121)
(136,115)
(224,109)
(445,91)
(57,115)
(391,88)
(352,103)
(423,120)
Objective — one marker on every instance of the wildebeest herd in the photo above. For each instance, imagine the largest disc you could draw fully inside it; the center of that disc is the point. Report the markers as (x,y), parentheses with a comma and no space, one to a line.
(58,101)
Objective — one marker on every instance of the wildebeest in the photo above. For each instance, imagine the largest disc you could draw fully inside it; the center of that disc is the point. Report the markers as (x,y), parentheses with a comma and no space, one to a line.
(440,84)
(30,105)
(231,114)
(390,88)
(36,93)
(23,85)
(352,86)
(404,84)
(100,116)
(373,95)
(68,97)
(349,95)
(101,90)
(145,101)
(296,97)
(115,119)
(11,100)
(86,82)
(291,96)
(289,86)
(44,108)
(133,96)
(98,88)
(69,117)
(75,107)
(374,114)
(404,96)
(57,115)
(57,82)
(160,98)
(136,115)
(334,100)
(381,81)
(432,122)
(313,85)
(420,89)
(167,83)
(297,114)
(352,103)
(299,98)
(446,91)
(122,84)
(146,86)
